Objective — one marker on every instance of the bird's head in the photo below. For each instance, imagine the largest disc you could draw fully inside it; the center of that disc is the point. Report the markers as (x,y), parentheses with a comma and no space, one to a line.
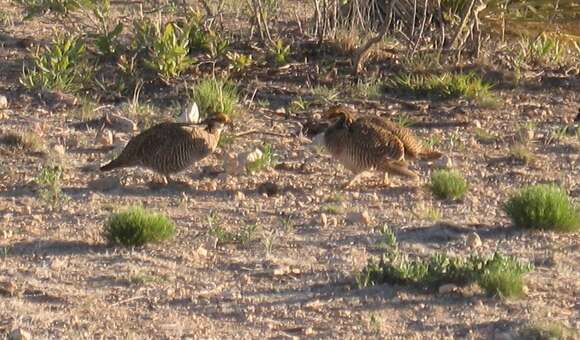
(339,113)
(218,121)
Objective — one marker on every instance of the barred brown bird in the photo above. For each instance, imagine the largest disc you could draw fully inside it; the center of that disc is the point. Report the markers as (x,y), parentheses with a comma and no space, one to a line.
(372,144)
(169,148)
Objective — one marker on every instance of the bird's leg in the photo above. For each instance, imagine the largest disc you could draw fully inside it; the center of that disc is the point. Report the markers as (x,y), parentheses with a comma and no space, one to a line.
(356,178)
(386,181)
(165,179)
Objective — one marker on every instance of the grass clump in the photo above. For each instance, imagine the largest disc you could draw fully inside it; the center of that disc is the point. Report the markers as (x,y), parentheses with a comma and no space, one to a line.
(544,207)
(448,184)
(137,226)
(215,95)
(444,86)
(498,274)
(49,183)
(60,66)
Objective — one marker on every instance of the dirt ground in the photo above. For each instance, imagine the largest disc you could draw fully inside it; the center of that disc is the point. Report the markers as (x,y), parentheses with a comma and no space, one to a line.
(59,279)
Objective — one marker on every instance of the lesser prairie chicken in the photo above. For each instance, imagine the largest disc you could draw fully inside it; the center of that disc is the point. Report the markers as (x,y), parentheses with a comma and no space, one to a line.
(169,148)
(369,143)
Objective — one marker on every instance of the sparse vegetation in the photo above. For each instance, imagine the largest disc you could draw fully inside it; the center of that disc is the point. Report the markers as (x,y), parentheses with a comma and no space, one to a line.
(214,96)
(224,236)
(24,140)
(444,86)
(267,159)
(39,7)
(543,206)
(49,183)
(239,61)
(497,274)
(137,226)
(521,153)
(448,184)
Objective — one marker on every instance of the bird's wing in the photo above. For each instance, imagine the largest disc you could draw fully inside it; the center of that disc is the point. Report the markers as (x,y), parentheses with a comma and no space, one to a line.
(411,145)
(378,142)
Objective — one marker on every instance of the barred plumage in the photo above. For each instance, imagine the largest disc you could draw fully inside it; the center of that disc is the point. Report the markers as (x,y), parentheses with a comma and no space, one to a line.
(372,143)
(169,148)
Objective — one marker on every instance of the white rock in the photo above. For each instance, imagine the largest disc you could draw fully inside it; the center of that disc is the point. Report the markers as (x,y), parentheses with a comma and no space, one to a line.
(3,102)
(447,288)
(253,156)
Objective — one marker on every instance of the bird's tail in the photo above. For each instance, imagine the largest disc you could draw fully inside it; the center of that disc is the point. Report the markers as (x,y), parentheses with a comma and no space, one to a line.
(430,155)
(398,168)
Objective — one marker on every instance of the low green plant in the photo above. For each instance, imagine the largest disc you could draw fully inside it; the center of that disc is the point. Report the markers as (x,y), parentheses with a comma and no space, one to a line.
(215,95)
(299,104)
(422,62)
(483,136)
(169,52)
(49,183)
(404,120)
(106,39)
(224,236)
(60,66)
(137,226)
(267,159)
(432,142)
(366,90)
(443,86)
(226,139)
(280,52)
(544,207)
(325,94)
(497,274)
(448,184)
(238,61)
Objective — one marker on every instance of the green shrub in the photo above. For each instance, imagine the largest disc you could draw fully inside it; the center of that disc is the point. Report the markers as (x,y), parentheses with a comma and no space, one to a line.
(545,207)
(61,66)
(497,274)
(215,95)
(137,226)
(448,184)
